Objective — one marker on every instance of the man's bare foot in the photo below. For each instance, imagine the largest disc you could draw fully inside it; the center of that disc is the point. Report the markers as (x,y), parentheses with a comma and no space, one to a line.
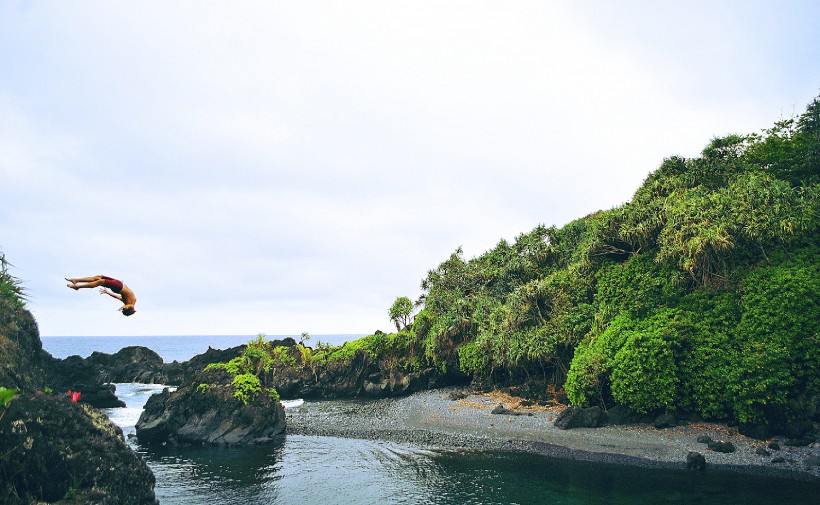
(73,286)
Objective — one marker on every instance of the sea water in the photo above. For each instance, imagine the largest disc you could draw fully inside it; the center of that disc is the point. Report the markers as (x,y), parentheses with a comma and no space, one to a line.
(329,470)
(170,348)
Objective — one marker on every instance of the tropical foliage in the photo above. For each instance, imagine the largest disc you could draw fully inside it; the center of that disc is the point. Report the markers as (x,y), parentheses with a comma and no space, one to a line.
(699,293)
(250,371)
(11,290)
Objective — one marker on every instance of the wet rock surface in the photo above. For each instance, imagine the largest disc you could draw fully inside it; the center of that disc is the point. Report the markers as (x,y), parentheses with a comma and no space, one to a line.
(50,448)
(210,415)
(57,450)
(360,377)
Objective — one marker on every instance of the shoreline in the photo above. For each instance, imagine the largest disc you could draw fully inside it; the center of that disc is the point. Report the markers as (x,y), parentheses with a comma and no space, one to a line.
(431,419)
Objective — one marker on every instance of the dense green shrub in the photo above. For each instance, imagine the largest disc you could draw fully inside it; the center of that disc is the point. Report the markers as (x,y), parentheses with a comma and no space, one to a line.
(11,290)
(708,358)
(778,330)
(246,387)
(637,286)
(644,374)
(588,380)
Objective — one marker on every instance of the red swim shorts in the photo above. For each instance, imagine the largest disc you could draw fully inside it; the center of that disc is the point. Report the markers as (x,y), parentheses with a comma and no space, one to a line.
(112,284)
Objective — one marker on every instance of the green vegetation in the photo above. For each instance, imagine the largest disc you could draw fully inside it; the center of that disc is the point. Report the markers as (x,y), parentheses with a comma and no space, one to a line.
(6,395)
(400,312)
(246,387)
(249,369)
(11,290)
(700,293)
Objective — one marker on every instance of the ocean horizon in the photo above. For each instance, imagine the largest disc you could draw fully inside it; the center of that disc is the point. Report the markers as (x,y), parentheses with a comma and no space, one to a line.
(170,347)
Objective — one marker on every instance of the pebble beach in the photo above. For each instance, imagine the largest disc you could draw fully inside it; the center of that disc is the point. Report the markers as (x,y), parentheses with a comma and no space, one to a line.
(432,419)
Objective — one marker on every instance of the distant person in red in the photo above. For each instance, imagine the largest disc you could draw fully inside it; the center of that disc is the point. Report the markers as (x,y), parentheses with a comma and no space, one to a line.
(116,289)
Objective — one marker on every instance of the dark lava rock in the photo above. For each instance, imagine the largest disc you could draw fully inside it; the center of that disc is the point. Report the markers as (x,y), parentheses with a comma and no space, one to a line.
(779,459)
(102,396)
(774,446)
(721,446)
(619,415)
(798,429)
(53,449)
(761,451)
(499,409)
(212,416)
(756,431)
(21,351)
(704,439)
(798,442)
(666,421)
(812,460)
(457,395)
(576,417)
(129,364)
(695,461)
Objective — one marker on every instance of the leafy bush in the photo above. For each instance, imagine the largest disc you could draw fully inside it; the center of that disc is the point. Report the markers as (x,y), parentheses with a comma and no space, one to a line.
(779,328)
(246,387)
(273,394)
(637,286)
(644,374)
(10,288)
(6,395)
(588,379)
(282,355)
(233,367)
(256,361)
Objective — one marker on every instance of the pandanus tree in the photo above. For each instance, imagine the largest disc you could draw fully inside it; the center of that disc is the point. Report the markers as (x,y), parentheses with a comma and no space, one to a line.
(400,312)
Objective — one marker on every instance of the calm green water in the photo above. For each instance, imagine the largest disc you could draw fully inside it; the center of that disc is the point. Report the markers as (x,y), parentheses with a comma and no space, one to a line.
(325,470)
(328,470)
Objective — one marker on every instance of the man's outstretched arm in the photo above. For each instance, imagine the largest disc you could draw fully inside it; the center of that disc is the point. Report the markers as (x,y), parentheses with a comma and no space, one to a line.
(111,294)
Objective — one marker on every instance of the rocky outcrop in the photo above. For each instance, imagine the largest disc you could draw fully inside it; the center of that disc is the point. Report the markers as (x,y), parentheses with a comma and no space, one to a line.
(57,450)
(210,414)
(93,376)
(50,448)
(695,461)
(132,364)
(21,350)
(721,446)
(361,376)
(576,417)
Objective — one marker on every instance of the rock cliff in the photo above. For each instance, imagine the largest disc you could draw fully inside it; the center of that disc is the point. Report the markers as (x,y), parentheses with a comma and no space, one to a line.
(211,414)
(53,449)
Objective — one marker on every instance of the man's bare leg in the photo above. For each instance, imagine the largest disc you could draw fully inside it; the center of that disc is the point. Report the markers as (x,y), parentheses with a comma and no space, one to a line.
(88,282)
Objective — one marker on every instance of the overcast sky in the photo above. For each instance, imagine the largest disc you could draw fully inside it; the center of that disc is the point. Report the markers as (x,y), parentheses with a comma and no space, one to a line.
(281,167)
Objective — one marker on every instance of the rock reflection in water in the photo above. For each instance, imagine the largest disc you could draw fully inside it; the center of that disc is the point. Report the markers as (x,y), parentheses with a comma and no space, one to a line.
(323,470)
(328,470)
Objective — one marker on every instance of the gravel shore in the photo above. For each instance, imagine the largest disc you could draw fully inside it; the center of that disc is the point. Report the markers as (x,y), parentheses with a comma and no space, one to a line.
(432,419)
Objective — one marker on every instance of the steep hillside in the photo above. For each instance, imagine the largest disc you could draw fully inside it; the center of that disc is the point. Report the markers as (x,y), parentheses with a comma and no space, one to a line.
(701,294)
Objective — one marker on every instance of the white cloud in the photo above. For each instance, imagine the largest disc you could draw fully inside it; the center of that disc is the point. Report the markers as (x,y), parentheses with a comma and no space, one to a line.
(286,167)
